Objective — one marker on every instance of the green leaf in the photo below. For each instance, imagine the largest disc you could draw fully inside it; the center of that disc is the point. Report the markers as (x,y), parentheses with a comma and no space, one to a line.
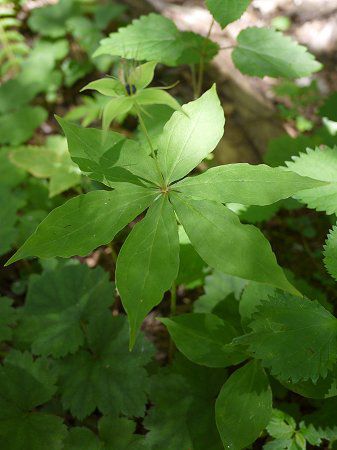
(114,108)
(142,75)
(281,425)
(322,388)
(204,339)
(51,20)
(81,438)
(252,296)
(155,96)
(265,52)
(148,263)
(49,161)
(152,38)
(106,375)
(192,268)
(188,421)
(19,126)
(246,184)
(188,138)
(8,218)
(227,11)
(303,327)
(7,318)
(61,302)
(26,384)
(107,156)
(319,164)
(107,86)
(244,406)
(227,245)
(195,46)
(330,253)
(85,222)
(323,420)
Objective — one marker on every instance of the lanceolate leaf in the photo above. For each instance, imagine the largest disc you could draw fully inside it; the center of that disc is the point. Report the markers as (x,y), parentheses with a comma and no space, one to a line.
(188,138)
(155,96)
(265,52)
(227,245)
(115,107)
(330,253)
(204,339)
(85,222)
(304,328)
(227,11)
(107,156)
(246,184)
(244,406)
(148,263)
(320,164)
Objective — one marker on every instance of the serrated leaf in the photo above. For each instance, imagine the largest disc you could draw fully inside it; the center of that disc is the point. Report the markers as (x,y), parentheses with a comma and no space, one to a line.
(322,388)
(107,156)
(188,421)
(266,52)
(85,222)
(244,406)
(281,425)
(188,138)
(330,253)
(106,375)
(81,438)
(306,329)
(24,385)
(246,184)
(227,11)
(227,245)
(320,164)
(49,161)
(148,263)
(323,420)
(61,302)
(252,296)
(7,318)
(212,335)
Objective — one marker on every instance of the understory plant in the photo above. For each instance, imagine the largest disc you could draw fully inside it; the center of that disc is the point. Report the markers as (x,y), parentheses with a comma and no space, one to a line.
(80,374)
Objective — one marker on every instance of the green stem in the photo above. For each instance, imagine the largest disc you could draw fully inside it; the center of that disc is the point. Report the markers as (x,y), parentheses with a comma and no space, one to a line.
(202,62)
(143,127)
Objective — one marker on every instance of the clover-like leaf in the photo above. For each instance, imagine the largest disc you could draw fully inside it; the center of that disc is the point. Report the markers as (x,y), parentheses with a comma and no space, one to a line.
(244,406)
(148,263)
(49,161)
(106,375)
(188,421)
(60,304)
(188,138)
(26,384)
(85,222)
(266,52)
(227,11)
(212,335)
(303,327)
(227,245)
(319,164)
(246,184)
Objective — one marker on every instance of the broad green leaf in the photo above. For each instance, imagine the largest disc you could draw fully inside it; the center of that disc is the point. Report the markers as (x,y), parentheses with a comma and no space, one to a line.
(329,108)
(281,425)
(266,52)
(218,286)
(227,11)
(25,385)
(246,184)
(142,75)
(188,138)
(323,420)
(81,438)
(204,339)
(61,302)
(49,161)
(114,108)
(227,245)
(148,263)
(330,253)
(195,46)
(183,413)
(19,126)
(155,96)
(320,164)
(303,327)
(7,318)
(10,175)
(322,388)
(51,20)
(252,296)
(152,38)
(107,156)
(106,86)
(85,222)
(192,268)
(244,406)
(106,375)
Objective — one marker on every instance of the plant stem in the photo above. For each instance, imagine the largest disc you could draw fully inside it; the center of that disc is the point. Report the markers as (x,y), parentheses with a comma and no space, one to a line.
(202,62)
(143,127)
